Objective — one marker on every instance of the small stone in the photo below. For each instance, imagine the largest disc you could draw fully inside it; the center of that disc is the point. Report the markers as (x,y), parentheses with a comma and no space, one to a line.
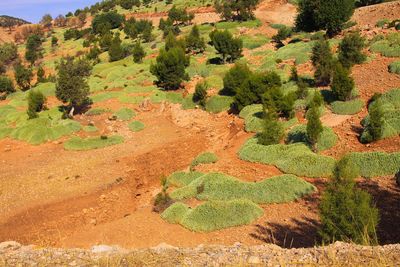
(9,244)
(93,222)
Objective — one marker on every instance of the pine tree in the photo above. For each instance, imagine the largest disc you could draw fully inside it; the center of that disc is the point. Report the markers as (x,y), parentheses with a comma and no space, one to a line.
(322,59)
(273,131)
(138,53)
(6,87)
(200,93)
(170,68)
(350,50)
(71,86)
(234,78)
(194,42)
(342,84)
(41,78)
(226,45)
(36,102)
(314,127)
(374,129)
(115,51)
(23,76)
(347,213)
(33,45)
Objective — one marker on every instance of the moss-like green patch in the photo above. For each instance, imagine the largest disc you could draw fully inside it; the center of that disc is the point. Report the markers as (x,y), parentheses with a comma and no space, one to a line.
(78,144)
(347,107)
(375,164)
(136,126)
(125,114)
(326,141)
(204,158)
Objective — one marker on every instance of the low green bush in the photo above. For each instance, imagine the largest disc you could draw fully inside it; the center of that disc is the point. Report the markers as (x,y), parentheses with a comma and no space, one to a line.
(136,126)
(391,115)
(213,215)
(125,114)
(388,47)
(188,103)
(347,107)
(295,159)
(298,134)
(79,144)
(41,130)
(179,179)
(96,111)
(375,164)
(394,67)
(217,103)
(204,158)
(217,186)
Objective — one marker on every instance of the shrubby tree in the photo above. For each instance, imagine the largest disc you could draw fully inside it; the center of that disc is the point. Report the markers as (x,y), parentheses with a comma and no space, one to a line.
(322,60)
(170,68)
(33,48)
(23,76)
(350,50)
(273,131)
(374,128)
(347,213)
(234,78)
(41,75)
(254,88)
(93,54)
(171,41)
(36,102)
(47,21)
(139,29)
(314,127)
(105,41)
(168,26)
(107,21)
(6,87)
(236,9)
(128,4)
(194,42)
(283,34)
(226,45)
(115,50)
(180,16)
(200,93)
(8,53)
(54,41)
(60,21)
(275,101)
(330,15)
(342,84)
(71,85)
(138,53)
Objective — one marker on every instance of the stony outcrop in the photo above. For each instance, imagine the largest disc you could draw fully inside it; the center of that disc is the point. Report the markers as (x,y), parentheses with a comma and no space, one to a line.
(338,254)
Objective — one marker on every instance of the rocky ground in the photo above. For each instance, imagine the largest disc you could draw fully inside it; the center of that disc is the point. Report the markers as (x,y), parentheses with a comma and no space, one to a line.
(338,254)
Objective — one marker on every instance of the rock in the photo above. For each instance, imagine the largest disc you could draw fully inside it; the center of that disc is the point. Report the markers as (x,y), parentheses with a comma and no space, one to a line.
(93,222)
(254,260)
(7,149)
(102,249)
(9,245)
(163,246)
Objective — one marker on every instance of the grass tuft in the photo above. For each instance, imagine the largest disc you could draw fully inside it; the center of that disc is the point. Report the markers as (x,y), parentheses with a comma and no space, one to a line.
(136,126)
(125,114)
(347,107)
(298,134)
(204,158)
(79,144)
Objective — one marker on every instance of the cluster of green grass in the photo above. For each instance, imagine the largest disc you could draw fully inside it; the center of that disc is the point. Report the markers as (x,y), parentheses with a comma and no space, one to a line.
(96,111)
(136,126)
(394,67)
(79,144)
(213,215)
(217,186)
(217,103)
(391,114)
(295,159)
(252,42)
(326,141)
(347,107)
(90,129)
(375,164)
(179,179)
(204,158)
(299,51)
(254,119)
(389,46)
(125,114)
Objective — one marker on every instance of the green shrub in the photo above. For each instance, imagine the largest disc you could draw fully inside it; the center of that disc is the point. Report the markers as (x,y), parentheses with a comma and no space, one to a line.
(227,46)
(41,130)
(213,215)
(273,131)
(90,129)
(327,139)
(179,179)
(217,186)
(295,159)
(322,59)
(375,164)
(347,107)
(200,93)
(36,102)
(394,67)
(78,144)
(388,47)
(350,50)
(96,111)
(204,158)
(136,126)
(217,103)
(125,114)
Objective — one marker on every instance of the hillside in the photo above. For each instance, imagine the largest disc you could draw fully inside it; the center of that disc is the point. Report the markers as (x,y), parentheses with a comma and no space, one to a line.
(8,21)
(79,173)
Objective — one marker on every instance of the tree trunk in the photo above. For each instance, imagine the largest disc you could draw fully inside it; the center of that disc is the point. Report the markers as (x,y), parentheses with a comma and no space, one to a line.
(71,112)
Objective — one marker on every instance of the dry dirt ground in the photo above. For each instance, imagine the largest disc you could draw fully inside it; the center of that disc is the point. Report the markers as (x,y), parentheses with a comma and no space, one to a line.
(50,196)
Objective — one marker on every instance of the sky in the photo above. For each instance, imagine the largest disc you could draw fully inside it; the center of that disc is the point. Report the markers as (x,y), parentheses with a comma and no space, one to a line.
(33,10)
